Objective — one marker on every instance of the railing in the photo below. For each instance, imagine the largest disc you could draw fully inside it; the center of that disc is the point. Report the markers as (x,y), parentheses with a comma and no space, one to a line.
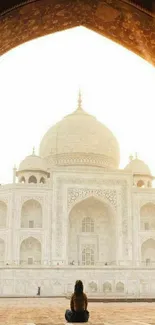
(25,262)
(103,264)
(147,264)
(23,226)
(46,263)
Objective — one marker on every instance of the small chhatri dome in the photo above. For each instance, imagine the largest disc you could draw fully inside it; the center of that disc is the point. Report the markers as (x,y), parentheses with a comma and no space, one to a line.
(79,139)
(33,162)
(137,166)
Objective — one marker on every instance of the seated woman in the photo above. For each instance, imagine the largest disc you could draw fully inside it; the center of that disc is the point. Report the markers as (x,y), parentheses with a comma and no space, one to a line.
(78,304)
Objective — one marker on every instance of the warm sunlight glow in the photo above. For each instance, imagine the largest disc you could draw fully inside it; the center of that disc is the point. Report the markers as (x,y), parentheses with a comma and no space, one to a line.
(39,83)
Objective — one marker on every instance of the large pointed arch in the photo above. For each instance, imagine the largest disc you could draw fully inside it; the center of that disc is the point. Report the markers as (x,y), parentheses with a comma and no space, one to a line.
(96,243)
(92,195)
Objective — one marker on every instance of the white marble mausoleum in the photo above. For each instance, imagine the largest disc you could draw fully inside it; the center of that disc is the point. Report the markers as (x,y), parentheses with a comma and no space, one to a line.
(72,213)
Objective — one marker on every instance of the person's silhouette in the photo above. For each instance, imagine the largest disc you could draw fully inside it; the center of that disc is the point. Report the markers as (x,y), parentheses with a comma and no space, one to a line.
(78,304)
(38,293)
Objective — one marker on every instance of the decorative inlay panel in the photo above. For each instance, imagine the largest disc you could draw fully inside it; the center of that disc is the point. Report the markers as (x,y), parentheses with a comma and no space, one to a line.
(78,194)
(31,197)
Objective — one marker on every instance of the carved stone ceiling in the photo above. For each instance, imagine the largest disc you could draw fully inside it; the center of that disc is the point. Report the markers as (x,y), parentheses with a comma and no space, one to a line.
(131,23)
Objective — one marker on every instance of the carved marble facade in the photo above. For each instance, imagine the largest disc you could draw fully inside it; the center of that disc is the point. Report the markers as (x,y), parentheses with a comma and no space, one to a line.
(88,223)
(83,221)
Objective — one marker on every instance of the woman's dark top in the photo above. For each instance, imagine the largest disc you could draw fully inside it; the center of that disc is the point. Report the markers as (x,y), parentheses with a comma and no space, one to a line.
(78,302)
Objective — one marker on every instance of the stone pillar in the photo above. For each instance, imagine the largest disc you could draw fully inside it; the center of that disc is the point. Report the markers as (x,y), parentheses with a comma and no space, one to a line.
(9,233)
(54,253)
(14,174)
(15,229)
(47,228)
(59,224)
(118,229)
(135,228)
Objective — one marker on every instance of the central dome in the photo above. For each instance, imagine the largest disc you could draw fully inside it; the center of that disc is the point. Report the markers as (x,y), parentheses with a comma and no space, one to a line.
(79,139)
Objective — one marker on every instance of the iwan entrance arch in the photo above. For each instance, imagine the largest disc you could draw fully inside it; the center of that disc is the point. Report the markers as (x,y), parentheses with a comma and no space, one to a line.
(130,23)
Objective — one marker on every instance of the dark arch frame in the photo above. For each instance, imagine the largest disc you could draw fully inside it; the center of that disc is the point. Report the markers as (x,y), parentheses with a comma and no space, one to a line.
(120,20)
(32,179)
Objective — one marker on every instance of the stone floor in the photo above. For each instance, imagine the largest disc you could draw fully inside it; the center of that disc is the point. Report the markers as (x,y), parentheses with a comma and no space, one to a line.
(50,311)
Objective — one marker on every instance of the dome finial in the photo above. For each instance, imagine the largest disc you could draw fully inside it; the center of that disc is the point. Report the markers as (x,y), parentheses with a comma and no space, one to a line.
(79,100)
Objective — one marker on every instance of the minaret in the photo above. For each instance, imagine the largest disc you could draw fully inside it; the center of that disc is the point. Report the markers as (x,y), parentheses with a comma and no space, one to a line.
(14,174)
(33,151)
(130,158)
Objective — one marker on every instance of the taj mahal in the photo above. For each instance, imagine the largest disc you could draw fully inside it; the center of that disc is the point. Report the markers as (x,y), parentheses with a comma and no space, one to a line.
(72,213)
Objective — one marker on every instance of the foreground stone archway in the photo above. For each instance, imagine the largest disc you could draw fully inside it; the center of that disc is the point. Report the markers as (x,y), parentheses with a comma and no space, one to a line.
(122,21)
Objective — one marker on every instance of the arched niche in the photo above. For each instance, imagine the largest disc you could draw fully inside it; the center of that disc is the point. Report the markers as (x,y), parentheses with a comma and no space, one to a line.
(148,252)
(147,217)
(31,214)
(42,180)
(107,287)
(101,237)
(3,214)
(2,251)
(32,179)
(30,251)
(92,287)
(120,287)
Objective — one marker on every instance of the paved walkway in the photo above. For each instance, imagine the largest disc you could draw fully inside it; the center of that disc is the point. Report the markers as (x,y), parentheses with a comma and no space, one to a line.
(49,311)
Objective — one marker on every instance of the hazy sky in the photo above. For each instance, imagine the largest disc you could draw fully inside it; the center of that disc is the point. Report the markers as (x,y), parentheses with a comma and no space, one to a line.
(39,82)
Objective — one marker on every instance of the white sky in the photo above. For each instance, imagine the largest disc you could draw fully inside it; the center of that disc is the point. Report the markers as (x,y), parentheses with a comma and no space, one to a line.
(39,82)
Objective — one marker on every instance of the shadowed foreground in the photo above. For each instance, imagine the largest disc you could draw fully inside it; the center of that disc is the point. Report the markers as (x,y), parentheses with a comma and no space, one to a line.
(43,311)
